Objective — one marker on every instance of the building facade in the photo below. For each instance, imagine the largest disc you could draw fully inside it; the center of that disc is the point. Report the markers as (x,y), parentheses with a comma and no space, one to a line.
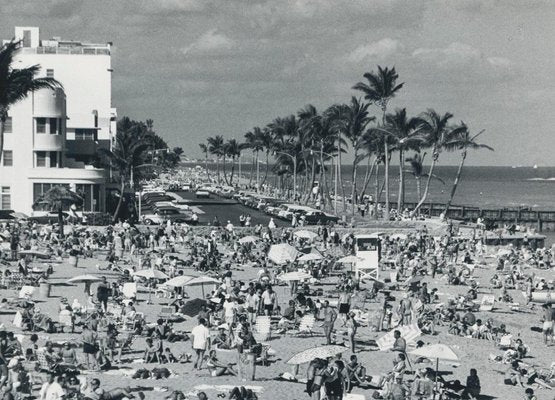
(52,136)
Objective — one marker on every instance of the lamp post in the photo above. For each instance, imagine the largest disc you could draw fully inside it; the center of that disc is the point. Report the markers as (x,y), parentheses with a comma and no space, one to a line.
(294,172)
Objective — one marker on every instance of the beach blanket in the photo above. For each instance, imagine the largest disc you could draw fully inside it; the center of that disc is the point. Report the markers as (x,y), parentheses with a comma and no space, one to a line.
(408,332)
(487,302)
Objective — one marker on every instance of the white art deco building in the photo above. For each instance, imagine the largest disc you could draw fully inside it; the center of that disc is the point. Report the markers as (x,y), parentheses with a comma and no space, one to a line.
(52,136)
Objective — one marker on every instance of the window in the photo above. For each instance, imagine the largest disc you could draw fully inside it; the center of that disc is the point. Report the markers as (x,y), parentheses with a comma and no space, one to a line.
(8,125)
(5,198)
(41,125)
(41,159)
(85,134)
(50,73)
(54,126)
(7,158)
(55,159)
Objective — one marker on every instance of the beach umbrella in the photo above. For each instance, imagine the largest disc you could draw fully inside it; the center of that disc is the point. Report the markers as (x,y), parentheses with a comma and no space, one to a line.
(411,280)
(282,253)
(294,276)
(84,278)
(34,253)
(201,281)
(179,281)
(310,257)
(304,234)
(248,239)
(151,274)
(439,352)
(349,260)
(322,352)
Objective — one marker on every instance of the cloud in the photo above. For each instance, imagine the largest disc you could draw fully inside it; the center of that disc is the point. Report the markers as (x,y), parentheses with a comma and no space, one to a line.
(455,54)
(500,62)
(173,6)
(379,50)
(210,42)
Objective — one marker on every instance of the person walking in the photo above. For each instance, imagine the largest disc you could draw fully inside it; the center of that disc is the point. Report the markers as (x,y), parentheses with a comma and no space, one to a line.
(200,340)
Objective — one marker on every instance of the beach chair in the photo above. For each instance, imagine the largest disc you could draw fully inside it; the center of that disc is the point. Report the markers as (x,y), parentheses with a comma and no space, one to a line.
(44,364)
(306,325)
(487,302)
(262,329)
(163,291)
(166,313)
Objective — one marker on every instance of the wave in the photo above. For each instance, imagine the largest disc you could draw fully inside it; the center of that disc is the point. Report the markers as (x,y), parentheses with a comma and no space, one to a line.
(552,179)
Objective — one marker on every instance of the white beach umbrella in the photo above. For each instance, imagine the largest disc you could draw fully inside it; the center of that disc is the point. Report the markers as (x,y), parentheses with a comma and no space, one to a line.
(179,281)
(201,281)
(34,253)
(310,257)
(151,274)
(294,276)
(438,351)
(322,352)
(282,253)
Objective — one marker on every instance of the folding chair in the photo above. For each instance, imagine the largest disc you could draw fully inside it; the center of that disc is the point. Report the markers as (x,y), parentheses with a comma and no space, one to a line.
(166,313)
(65,320)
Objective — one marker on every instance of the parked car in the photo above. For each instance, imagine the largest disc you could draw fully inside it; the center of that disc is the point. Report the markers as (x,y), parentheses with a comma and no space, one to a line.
(48,217)
(164,213)
(319,217)
(202,193)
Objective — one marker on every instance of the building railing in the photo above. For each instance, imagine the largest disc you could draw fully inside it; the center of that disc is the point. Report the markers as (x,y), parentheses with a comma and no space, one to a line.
(101,51)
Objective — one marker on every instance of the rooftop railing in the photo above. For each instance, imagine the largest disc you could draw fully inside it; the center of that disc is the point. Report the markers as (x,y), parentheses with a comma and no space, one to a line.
(88,50)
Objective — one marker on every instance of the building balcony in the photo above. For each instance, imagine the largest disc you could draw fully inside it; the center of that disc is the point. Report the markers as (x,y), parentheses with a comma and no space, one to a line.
(83,175)
(99,50)
(48,142)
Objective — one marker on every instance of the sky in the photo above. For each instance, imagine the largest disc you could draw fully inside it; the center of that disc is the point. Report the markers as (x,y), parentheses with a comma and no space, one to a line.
(204,67)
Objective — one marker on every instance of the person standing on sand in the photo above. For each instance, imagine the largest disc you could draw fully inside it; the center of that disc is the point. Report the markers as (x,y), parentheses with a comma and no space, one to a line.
(329,315)
(548,323)
(200,340)
(90,347)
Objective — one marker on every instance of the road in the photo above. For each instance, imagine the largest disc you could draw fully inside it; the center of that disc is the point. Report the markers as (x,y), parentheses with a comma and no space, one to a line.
(231,211)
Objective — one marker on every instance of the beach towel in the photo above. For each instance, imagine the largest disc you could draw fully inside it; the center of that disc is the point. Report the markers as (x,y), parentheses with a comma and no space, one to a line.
(18,320)
(487,302)
(408,332)
(228,388)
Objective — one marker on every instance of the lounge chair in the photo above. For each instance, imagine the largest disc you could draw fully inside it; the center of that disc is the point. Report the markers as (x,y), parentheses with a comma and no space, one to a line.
(65,320)
(306,325)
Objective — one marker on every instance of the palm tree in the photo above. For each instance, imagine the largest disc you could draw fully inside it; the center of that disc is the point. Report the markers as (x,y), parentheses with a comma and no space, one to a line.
(232,149)
(56,199)
(253,141)
(436,130)
(461,140)
(266,141)
(416,163)
(204,149)
(403,132)
(357,121)
(336,113)
(216,148)
(17,84)
(127,154)
(380,89)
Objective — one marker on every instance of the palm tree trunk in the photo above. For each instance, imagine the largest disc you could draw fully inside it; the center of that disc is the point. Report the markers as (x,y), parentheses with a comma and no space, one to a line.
(455,183)
(312,179)
(326,194)
(377,192)
(368,174)
(252,170)
(354,183)
(232,170)
(218,169)
(418,180)
(401,197)
(120,201)
(386,172)
(267,166)
(339,170)
(224,171)
(427,188)
(206,166)
(61,220)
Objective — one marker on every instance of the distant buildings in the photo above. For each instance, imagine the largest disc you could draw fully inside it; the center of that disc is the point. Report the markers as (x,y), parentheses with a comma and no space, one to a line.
(53,136)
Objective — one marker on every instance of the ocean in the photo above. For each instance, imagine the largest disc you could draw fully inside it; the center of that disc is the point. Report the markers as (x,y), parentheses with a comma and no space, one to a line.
(484,187)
